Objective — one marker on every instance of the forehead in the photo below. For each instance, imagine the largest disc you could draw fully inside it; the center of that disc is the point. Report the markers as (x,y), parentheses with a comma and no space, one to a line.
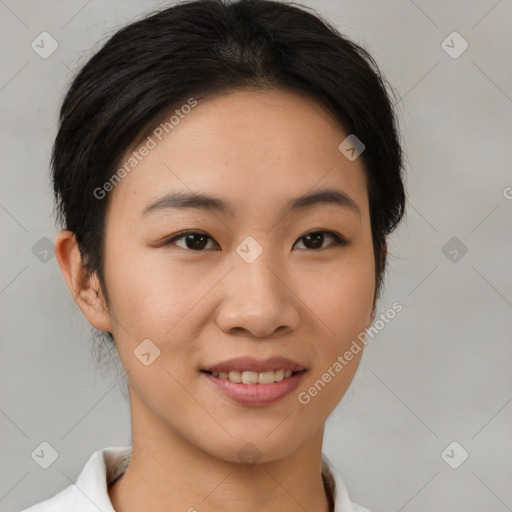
(252,147)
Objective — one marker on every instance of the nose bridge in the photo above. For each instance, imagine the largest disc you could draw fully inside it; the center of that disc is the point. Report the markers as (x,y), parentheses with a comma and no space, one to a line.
(255,296)
(253,278)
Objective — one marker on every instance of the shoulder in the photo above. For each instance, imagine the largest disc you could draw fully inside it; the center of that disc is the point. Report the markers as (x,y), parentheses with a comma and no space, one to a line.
(90,491)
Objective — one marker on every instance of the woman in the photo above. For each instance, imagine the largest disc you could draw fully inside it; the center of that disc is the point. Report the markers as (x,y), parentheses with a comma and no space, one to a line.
(226,175)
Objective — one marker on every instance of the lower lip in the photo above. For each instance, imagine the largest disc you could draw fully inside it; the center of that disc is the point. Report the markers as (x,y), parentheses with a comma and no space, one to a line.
(256,394)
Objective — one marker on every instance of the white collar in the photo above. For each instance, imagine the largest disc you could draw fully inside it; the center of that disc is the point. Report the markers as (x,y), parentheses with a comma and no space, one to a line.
(90,492)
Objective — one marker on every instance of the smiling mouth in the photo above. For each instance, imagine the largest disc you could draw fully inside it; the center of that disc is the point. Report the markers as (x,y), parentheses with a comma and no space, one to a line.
(248,377)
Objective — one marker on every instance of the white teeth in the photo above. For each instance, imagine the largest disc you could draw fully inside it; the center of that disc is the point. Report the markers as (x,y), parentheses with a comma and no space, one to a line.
(250,377)
(254,377)
(235,376)
(266,377)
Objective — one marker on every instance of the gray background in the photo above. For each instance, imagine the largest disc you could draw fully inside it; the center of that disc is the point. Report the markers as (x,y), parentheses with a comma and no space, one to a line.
(439,372)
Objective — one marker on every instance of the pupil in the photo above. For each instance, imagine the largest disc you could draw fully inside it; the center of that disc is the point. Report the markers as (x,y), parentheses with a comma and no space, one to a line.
(195,245)
(317,239)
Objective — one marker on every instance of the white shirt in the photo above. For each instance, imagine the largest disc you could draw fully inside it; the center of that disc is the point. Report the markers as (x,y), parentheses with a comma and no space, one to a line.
(90,492)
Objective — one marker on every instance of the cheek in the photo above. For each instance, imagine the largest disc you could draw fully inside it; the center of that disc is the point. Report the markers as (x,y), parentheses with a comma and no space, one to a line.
(343,307)
(148,294)
(340,298)
(340,294)
(153,297)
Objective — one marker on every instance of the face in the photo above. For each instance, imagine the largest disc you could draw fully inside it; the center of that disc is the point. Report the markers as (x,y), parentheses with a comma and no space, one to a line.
(248,281)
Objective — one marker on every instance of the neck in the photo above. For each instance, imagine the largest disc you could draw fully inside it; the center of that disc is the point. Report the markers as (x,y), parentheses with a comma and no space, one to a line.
(168,473)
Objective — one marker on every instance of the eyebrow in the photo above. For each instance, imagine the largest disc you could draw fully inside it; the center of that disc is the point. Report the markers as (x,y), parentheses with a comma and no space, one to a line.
(182,200)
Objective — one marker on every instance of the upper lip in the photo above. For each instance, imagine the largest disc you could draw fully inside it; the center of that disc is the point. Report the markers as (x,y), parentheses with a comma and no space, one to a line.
(255,365)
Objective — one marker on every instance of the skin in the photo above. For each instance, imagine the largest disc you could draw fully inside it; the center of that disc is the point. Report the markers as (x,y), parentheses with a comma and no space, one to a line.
(256,149)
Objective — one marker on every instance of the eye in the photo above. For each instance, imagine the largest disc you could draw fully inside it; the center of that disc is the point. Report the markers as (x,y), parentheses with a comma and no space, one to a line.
(315,239)
(197,240)
(194,240)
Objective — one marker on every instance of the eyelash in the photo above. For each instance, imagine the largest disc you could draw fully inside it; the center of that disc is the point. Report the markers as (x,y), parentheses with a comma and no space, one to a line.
(338,239)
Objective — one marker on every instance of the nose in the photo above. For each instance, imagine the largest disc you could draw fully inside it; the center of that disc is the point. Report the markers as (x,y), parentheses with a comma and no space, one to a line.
(258,300)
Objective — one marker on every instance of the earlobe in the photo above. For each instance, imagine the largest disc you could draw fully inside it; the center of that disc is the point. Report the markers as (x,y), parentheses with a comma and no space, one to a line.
(85,288)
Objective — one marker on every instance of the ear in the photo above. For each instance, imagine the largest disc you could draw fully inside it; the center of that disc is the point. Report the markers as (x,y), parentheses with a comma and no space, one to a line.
(85,288)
